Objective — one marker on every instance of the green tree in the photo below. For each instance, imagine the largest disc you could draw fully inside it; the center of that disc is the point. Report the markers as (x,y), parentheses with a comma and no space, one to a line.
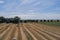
(2,19)
(16,19)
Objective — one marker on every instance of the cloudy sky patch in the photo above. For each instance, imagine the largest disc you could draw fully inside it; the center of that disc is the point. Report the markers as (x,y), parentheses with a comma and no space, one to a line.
(1,2)
(34,9)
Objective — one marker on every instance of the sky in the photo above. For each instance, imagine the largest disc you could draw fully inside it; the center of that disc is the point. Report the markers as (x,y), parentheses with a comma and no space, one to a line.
(30,9)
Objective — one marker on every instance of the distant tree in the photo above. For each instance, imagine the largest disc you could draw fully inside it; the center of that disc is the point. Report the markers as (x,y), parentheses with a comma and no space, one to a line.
(57,20)
(2,19)
(8,20)
(36,21)
(44,20)
(11,20)
(16,19)
(41,20)
(51,20)
(48,20)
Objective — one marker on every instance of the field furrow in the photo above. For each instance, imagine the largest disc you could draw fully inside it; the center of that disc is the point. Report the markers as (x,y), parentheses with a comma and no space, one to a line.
(4,28)
(28,31)
(52,35)
(5,35)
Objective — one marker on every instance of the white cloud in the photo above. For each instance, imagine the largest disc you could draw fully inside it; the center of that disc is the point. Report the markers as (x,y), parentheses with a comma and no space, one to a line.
(46,3)
(39,16)
(32,15)
(48,16)
(37,3)
(35,15)
(26,1)
(18,6)
(1,1)
(58,8)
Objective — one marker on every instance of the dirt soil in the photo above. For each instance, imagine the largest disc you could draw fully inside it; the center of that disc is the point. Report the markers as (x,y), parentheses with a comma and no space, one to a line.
(29,31)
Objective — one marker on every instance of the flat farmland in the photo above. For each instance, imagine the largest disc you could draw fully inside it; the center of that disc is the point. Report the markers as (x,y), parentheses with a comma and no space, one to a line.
(29,31)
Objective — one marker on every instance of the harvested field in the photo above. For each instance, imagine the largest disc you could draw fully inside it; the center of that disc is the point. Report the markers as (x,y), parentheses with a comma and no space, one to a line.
(29,31)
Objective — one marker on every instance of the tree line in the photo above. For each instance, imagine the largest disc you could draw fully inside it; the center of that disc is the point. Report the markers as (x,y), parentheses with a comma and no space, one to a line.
(25,21)
(9,20)
(18,20)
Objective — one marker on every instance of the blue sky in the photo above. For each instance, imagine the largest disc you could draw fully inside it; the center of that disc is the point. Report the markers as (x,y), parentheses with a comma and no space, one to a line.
(30,9)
